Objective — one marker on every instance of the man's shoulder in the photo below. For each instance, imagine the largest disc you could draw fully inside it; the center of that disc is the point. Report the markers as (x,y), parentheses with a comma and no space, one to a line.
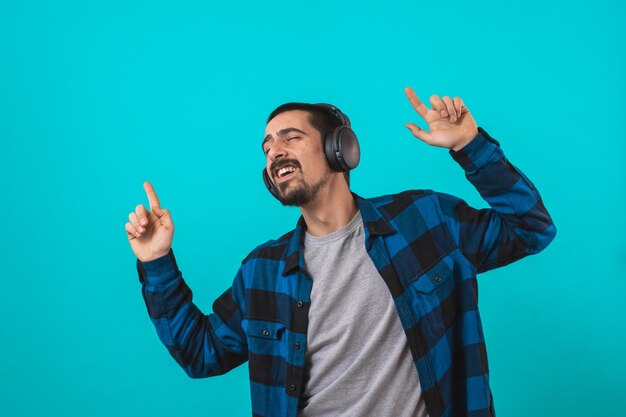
(272,249)
(385,199)
(392,204)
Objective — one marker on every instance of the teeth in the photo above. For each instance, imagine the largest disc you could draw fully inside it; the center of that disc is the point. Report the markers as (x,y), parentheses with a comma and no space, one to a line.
(285,170)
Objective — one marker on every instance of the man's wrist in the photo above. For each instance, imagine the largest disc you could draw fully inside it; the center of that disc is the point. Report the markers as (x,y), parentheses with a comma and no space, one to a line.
(477,152)
(464,142)
(158,270)
(154,256)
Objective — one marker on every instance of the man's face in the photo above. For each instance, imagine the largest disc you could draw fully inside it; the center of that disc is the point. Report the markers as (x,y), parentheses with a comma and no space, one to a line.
(295,159)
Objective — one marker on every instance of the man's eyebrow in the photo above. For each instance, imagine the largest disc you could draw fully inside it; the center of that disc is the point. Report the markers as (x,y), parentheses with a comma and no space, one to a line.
(282,132)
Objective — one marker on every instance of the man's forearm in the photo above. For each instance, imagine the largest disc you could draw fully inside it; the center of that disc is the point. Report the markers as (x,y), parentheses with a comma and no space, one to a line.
(187,333)
(517,224)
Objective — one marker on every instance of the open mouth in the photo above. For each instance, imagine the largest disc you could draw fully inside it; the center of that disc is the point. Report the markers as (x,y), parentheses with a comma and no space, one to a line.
(284,173)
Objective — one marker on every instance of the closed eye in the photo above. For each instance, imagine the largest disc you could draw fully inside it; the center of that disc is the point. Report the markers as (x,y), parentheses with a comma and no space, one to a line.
(266,150)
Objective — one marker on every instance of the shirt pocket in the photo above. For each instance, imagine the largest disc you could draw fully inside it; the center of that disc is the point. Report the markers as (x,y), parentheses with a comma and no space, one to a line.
(432,289)
(264,336)
(267,351)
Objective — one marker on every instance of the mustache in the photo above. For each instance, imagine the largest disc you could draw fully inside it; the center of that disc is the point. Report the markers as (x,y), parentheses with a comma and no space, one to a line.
(283,162)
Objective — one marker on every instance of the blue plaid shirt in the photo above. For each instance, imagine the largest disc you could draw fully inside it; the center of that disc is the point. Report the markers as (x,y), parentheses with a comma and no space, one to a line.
(427,247)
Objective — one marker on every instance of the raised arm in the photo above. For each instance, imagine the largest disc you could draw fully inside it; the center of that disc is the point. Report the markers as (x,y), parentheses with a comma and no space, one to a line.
(517,224)
(203,345)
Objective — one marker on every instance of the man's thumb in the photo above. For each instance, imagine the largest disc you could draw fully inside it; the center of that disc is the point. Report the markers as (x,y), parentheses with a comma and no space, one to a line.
(419,133)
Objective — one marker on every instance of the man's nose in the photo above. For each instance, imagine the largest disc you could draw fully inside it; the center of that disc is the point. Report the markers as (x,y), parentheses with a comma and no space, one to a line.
(277,150)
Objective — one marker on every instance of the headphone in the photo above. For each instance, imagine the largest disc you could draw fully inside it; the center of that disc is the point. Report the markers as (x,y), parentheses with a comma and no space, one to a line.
(341,146)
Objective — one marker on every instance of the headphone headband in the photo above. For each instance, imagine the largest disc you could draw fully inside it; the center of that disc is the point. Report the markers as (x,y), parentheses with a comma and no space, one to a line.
(329,108)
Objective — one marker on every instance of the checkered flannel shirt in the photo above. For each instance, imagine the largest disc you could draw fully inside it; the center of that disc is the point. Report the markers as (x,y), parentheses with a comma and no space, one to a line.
(427,247)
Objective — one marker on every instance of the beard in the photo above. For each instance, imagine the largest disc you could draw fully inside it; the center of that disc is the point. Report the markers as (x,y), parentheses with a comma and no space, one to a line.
(296,192)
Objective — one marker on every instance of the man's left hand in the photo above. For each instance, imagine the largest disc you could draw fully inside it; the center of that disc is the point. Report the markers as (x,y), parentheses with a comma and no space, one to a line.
(450,122)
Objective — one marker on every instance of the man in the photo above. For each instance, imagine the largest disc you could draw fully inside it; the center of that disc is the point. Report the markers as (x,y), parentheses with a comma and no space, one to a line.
(369,306)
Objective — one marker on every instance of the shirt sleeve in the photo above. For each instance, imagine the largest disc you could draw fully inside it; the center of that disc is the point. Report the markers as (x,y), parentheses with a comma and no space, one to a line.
(203,345)
(516,225)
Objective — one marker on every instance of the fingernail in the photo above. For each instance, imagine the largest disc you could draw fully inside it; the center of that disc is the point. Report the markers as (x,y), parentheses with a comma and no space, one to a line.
(144,221)
(453,119)
(141,229)
(444,113)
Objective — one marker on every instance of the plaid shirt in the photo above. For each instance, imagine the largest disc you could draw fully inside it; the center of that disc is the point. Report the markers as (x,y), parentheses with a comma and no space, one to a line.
(427,247)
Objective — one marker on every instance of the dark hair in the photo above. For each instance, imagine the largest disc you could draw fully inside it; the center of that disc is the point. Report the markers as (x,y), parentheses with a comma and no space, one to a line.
(321,119)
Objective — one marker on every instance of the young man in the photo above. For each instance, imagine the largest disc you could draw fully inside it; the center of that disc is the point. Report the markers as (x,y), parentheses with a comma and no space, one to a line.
(369,306)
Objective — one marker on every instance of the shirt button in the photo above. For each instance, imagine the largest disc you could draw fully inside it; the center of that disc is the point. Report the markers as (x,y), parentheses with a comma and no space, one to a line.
(292,387)
(266,332)
(437,278)
(300,304)
(296,345)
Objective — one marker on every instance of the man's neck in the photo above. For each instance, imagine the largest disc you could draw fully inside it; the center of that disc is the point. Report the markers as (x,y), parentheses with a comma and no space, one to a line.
(333,208)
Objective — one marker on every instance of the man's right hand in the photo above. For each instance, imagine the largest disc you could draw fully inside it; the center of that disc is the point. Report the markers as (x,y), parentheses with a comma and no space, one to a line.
(150,233)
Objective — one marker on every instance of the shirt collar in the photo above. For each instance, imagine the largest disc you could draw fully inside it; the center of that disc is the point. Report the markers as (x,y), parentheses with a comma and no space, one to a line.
(374,222)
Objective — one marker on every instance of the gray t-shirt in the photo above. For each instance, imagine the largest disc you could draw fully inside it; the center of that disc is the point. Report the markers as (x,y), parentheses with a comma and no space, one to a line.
(358,361)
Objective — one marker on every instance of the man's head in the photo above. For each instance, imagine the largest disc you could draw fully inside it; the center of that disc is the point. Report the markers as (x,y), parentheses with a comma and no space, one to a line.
(294,149)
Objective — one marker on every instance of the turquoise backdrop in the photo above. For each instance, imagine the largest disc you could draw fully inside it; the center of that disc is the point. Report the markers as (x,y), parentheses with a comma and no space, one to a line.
(97,97)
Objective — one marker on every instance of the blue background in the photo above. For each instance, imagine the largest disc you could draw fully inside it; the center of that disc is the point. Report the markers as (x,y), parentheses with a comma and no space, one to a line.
(97,97)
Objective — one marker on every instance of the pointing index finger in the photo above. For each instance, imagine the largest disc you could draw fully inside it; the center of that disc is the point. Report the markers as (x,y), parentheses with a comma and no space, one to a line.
(419,107)
(152,197)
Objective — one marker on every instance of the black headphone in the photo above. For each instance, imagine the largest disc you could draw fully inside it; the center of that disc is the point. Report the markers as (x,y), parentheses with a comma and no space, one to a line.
(341,146)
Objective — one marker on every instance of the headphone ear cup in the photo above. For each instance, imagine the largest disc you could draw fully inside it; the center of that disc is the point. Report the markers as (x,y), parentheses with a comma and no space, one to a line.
(269,184)
(342,150)
(349,149)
